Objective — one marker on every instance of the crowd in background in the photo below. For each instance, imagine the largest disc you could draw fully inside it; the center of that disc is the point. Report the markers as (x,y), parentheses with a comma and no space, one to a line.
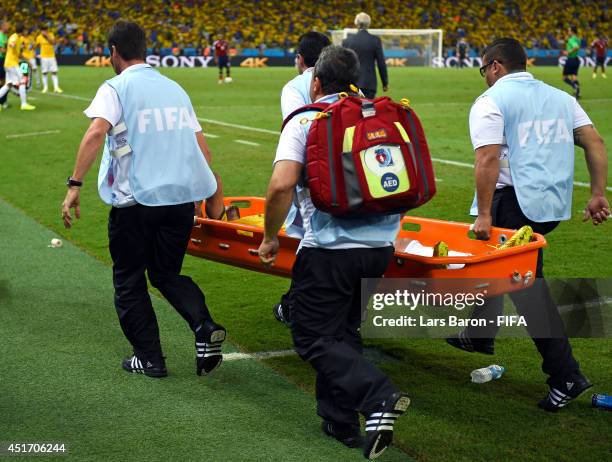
(80,26)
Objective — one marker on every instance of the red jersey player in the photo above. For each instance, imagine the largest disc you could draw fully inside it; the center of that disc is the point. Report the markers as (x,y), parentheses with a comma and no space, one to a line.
(222,56)
(600,46)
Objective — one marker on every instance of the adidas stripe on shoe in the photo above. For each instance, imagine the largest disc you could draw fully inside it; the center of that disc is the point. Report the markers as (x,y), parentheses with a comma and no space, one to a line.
(564,391)
(137,366)
(379,425)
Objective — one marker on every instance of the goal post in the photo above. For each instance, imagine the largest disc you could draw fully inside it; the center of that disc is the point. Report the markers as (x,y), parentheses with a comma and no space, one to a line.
(420,45)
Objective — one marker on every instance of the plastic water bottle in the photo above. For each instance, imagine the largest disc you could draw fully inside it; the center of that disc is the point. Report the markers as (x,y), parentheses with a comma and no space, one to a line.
(486,374)
(602,401)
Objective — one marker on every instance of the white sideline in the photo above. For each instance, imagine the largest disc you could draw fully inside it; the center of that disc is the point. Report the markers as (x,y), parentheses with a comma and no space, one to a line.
(24,135)
(277,132)
(258,355)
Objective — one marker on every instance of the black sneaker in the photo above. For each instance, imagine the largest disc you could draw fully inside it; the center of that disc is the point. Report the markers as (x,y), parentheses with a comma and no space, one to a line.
(561,392)
(208,347)
(349,435)
(140,366)
(379,425)
(463,342)
(282,314)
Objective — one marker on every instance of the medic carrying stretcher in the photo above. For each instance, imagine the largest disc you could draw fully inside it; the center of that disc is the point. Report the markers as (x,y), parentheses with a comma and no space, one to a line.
(356,148)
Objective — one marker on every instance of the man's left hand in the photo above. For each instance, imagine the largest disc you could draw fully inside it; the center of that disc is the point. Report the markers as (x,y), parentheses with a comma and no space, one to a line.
(597,210)
(385,88)
(72,200)
(268,250)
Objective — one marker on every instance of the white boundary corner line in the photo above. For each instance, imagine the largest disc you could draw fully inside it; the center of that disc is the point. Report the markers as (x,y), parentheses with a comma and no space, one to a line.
(277,133)
(258,355)
(24,135)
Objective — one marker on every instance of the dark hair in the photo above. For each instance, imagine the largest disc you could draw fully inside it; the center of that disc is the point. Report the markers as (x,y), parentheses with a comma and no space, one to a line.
(129,39)
(19,27)
(508,52)
(574,29)
(337,68)
(310,46)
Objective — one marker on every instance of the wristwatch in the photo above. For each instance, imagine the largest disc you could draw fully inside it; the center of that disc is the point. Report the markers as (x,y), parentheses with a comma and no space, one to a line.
(70,182)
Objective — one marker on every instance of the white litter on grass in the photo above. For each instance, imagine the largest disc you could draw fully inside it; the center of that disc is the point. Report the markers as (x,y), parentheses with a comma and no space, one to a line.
(56,243)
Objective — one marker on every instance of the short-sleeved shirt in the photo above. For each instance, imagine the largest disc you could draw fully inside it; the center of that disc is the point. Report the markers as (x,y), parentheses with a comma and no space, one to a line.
(14,49)
(487,127)
(46,47)
(106,105)
(322,230)
(572,43)
(221,48)
(600,46)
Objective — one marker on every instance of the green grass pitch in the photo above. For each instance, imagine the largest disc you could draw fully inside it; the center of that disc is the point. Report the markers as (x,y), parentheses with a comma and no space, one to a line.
(61,343)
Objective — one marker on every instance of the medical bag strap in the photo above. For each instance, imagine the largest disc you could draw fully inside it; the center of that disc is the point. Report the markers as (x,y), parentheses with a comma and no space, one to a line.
(318,107)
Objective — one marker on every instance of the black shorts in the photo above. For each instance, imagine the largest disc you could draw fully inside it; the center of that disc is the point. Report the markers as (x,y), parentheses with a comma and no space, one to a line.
(2,72)
(223,61)
(571,66)
(600,61)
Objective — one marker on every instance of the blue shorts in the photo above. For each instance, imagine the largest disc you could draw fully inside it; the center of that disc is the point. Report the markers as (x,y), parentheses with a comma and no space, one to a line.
(223,61)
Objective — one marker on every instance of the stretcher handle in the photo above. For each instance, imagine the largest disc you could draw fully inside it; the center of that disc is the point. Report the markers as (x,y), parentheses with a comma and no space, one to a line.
(254,252)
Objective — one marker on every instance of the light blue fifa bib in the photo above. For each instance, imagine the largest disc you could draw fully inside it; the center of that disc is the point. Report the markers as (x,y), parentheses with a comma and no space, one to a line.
(538,126)
(154,144)
(301,84)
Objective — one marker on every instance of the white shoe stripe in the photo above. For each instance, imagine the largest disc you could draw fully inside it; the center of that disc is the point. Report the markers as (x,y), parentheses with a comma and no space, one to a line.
(208,355)
(558,393)
(553,398)
(385,427)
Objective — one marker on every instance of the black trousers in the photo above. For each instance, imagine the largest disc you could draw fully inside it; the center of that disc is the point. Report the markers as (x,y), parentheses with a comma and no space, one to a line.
(326,315)
(152,239)
(535,303)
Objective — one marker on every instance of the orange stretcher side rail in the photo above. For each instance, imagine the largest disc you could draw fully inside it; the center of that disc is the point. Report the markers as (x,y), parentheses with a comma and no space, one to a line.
(513,268)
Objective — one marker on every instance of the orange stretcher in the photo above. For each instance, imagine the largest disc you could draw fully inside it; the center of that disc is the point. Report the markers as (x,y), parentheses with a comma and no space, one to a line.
(487,268)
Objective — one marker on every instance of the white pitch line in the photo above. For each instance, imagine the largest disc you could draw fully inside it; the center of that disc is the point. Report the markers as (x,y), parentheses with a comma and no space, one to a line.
(273,132)
(259,355)
(242,127)
(64,95)
(24,135)
(210,135)
(248,143)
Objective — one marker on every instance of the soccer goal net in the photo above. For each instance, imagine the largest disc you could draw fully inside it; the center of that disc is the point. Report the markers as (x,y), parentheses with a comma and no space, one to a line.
(418,46)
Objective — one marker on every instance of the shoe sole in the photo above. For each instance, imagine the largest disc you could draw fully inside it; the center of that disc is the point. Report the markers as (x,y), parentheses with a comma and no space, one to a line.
(385,437)
(155,375)
(215,336)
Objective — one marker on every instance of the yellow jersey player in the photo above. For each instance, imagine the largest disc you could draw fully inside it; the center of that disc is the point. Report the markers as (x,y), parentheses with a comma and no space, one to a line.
(46,41)
(29,53)
(14,78)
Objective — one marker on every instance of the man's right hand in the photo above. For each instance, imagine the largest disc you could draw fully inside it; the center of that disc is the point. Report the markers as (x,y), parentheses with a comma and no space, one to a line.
(268,250)
(482,227)
(597,210)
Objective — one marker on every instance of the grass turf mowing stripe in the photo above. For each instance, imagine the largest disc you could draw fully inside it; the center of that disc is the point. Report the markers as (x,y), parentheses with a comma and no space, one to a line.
(62,381)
